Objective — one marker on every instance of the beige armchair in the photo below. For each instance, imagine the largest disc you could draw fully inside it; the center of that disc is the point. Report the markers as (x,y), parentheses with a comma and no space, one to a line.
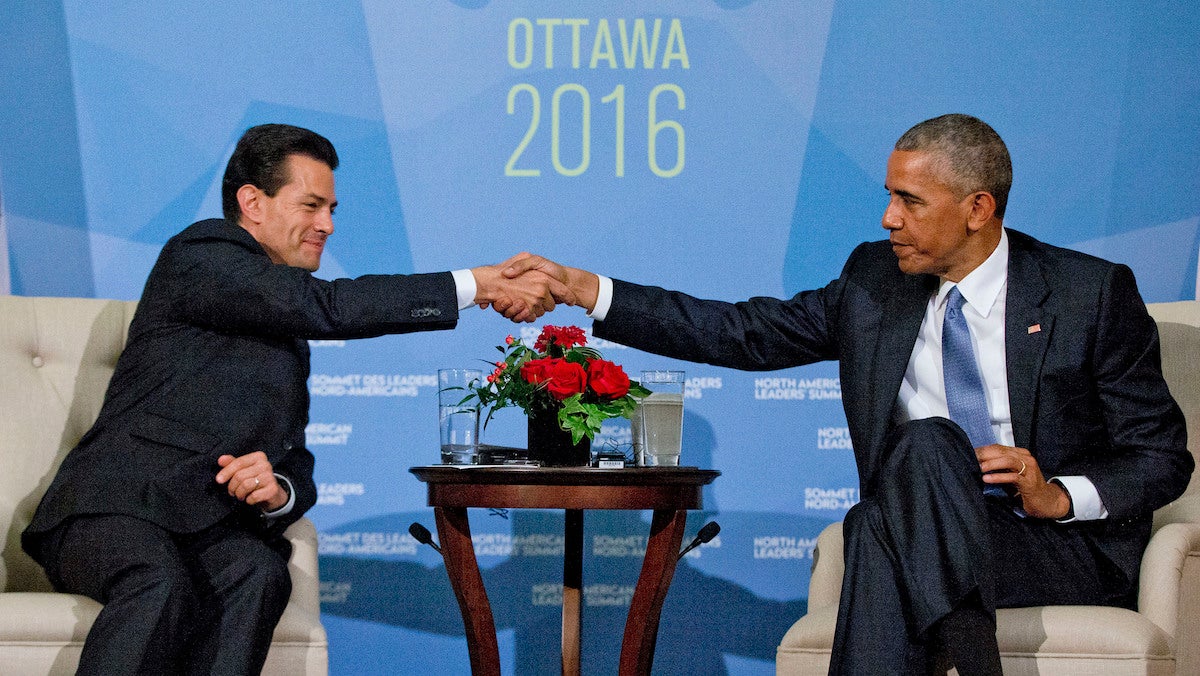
(1162,637)
(56,356)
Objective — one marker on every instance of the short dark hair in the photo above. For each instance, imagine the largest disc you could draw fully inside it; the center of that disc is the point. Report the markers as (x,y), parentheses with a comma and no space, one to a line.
(973,157)
(260,160)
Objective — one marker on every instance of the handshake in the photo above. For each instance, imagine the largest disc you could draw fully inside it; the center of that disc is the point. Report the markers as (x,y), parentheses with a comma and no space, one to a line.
(526,287)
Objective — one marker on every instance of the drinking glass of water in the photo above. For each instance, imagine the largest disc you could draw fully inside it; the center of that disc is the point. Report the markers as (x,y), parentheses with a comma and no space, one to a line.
(458,422)
(657,424)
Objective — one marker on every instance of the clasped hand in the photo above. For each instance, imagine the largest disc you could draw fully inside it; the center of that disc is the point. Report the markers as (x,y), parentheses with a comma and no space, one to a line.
(251,479)
(525,287)
(1016,467)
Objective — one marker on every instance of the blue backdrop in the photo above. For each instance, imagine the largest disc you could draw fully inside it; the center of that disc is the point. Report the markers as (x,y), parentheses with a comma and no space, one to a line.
(725,147)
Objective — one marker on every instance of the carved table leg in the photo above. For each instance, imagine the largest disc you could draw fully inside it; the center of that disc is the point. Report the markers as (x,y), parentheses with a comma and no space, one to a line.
(641,628)
(454,531)
(572,610)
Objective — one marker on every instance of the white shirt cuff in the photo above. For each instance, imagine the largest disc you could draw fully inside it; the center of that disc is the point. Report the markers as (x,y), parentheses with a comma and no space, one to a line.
(603,299)
(465,287)
(287,507)
(1085,500)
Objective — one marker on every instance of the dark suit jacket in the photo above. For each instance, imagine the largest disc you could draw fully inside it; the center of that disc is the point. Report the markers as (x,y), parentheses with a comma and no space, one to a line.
(1086,390)
(217,363)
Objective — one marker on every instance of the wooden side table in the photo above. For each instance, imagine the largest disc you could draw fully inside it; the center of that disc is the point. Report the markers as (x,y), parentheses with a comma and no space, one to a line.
(668,491)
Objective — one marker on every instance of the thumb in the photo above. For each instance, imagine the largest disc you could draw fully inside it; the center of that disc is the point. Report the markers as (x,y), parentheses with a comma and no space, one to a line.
(520,264)
(505,264)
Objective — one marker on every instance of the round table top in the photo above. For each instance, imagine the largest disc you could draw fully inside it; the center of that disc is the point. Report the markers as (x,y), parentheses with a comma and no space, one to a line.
(564,476)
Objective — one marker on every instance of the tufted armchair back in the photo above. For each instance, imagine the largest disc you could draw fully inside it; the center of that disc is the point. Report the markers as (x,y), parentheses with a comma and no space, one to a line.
(56,357)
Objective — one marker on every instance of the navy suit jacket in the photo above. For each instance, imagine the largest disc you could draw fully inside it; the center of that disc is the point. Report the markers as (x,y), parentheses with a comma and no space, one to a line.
(1086,391)
(217,363)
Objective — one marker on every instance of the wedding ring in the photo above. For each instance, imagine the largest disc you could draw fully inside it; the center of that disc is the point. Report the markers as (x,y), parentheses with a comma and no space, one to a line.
(258,483)
(1021,472)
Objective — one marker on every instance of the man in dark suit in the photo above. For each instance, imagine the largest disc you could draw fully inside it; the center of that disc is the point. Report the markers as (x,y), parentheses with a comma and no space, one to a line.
(171,509)
(1011,426)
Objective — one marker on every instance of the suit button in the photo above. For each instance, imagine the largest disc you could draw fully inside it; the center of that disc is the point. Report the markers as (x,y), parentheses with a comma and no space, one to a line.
(287,445)
(38,362)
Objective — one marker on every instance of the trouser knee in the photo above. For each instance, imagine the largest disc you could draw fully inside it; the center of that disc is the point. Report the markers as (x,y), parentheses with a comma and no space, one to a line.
(926,447)
(169,589)
(265,576)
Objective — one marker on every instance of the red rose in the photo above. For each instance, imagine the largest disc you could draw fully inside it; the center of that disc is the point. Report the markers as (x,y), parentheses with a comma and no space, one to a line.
(537,370)
(565,379)
(565,337)
(607,379)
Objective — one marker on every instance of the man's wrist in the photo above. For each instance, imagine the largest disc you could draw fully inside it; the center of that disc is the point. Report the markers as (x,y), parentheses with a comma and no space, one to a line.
(1086,503)
(485,277)
(1065,505)
(285,485)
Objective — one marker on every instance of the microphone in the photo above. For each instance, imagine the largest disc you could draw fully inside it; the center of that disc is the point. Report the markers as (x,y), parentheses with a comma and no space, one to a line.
(422,535)
(707,532)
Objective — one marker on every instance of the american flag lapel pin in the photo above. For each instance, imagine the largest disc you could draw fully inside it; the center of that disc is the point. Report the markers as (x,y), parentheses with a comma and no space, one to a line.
(1034,329)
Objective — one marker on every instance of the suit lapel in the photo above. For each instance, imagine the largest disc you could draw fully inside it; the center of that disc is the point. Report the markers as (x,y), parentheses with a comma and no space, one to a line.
(1028,328)
(899,324)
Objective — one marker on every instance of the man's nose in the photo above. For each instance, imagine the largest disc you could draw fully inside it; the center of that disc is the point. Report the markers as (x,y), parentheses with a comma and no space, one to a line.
(324,223)
(891,219)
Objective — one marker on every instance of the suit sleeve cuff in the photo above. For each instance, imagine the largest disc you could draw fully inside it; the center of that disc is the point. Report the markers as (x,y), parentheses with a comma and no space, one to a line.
(1085,500)
(464,287)
(603,299)
(291,502)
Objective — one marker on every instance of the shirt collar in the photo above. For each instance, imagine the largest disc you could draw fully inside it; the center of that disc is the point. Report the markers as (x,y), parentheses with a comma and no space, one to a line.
(982,286)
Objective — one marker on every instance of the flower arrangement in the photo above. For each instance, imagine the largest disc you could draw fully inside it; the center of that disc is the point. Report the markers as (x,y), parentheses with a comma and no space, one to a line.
(560,373)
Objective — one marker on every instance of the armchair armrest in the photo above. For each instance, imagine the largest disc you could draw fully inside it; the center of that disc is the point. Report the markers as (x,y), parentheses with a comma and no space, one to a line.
(306,584)
(1169,593)
(1186,509)
(300,645)
(825,586)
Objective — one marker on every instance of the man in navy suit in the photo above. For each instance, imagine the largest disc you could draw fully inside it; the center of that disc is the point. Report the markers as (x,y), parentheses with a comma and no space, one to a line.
(171,509)
(1010,450)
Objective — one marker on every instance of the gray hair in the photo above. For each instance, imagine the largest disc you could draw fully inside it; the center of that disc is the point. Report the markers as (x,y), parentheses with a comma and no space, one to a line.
(971,155)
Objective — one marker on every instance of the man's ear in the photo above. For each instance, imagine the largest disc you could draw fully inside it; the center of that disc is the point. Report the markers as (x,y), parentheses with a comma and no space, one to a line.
(983,209)
(249,200)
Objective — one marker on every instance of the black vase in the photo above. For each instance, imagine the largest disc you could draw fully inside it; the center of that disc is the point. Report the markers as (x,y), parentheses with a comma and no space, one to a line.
(551,445)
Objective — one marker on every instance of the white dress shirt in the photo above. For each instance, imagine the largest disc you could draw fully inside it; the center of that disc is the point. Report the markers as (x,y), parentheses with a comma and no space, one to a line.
(603,299)
(464,288)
